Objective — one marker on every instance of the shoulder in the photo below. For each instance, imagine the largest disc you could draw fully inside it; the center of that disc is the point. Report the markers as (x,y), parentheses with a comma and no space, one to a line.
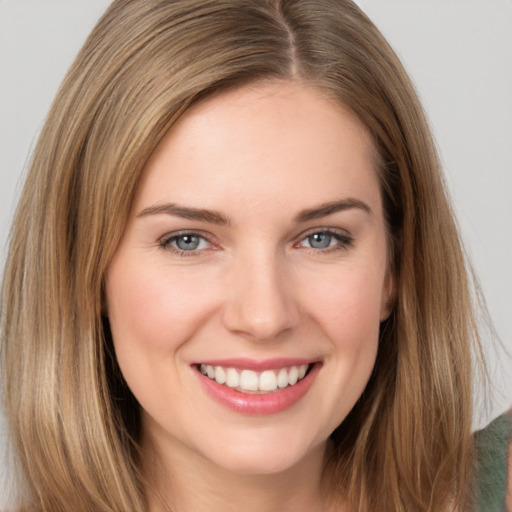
(493,466)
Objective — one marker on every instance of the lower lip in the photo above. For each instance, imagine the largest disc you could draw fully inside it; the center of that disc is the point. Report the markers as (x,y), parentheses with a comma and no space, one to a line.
(259,404)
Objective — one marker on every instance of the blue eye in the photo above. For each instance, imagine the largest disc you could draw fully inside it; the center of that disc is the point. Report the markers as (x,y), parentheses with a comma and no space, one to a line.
(320,240)
(326,241)
(185,242)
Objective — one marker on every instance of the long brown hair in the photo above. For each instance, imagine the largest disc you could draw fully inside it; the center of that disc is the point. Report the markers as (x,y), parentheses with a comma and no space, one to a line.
(407,443)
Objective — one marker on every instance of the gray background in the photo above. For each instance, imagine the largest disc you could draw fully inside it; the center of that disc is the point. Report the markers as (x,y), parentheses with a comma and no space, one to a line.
(459,53)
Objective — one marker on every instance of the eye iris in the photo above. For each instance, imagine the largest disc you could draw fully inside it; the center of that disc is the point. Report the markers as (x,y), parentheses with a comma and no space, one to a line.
(320,240)
(187,242)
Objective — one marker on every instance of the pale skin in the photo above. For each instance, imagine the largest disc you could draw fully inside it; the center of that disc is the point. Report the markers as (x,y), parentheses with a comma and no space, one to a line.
(257,232)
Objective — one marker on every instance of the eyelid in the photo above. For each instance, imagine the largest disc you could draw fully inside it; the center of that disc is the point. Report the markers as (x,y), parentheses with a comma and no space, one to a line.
(165,241)
(324,229)
(344,238)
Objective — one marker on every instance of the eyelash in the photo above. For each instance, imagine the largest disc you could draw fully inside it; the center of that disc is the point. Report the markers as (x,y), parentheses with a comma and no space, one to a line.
(344,241)
(166,241)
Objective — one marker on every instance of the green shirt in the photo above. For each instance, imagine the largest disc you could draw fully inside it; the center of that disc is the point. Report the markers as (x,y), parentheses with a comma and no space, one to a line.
(491,445)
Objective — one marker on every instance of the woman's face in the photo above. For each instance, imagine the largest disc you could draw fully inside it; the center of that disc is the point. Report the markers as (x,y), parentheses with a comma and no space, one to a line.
(246,295)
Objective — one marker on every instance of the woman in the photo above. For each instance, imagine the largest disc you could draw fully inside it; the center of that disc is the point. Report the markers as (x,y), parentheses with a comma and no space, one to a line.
(234,278)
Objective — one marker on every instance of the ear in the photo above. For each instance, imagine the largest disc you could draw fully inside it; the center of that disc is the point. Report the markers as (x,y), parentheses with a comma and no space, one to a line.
(388,298)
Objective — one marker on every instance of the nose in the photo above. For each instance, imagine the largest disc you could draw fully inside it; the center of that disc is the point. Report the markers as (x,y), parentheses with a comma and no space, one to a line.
(261,303)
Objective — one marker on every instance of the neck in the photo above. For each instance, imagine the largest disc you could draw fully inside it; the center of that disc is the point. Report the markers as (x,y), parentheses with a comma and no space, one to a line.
(182,480)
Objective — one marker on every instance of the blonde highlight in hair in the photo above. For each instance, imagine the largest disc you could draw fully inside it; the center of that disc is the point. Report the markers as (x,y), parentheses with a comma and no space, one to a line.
(407,443)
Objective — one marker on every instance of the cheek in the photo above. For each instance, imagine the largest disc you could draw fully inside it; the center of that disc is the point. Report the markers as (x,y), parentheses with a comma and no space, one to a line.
(348,306)
(345,305)
(149,307)
(152,313)
(352,320)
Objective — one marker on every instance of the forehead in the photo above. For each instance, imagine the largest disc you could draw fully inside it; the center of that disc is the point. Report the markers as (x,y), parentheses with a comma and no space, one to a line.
(257,139)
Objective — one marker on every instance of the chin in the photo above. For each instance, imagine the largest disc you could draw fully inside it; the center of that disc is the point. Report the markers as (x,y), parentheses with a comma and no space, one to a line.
(265,453)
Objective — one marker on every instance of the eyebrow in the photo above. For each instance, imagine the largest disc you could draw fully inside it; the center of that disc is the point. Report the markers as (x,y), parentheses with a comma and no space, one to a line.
(185,212)
(214,217)
(332,207)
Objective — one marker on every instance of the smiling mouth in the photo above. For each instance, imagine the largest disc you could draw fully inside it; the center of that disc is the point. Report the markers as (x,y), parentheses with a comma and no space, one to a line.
(250,381)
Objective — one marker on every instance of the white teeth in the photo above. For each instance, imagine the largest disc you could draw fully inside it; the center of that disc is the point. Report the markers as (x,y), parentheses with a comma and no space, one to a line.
(232,378)
(220,375)
(268,381)
(249,380)
(210,371)
(293,375)
(282,378)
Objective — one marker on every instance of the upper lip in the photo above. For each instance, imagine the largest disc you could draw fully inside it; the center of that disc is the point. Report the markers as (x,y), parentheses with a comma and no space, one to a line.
(258,365)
